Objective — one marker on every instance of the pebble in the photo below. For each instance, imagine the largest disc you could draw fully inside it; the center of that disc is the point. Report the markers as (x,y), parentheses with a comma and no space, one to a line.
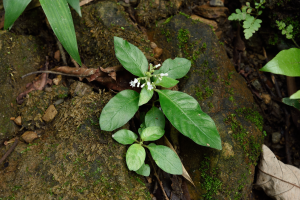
(29,136)
(276,136)
(256,85)
(216,3)
(18,120)
(50,113)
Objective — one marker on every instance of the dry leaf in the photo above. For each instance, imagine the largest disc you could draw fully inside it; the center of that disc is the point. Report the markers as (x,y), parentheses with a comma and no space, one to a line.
(278,180)
(185,174)
(82,3)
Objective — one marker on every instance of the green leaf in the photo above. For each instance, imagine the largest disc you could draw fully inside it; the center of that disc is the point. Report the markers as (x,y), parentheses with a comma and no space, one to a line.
(125,136)
(295,95)
(286,62)
(130,57)
(119,110)
(155,117)
(292,102)
(166,159)
(13,9)
(166,82)
(145,95)
(135,157)
(75,5)
(176,68)
(185,114)
(152,133)
(60,19)
(144,170)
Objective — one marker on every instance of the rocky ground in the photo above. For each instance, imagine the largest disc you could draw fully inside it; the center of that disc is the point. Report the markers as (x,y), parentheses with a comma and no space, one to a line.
(63,154)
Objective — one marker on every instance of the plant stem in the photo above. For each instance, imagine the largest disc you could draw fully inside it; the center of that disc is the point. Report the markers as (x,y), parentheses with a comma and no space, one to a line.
(295,43)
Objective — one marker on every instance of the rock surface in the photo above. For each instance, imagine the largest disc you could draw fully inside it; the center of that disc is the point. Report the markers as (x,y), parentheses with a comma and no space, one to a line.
(220,91)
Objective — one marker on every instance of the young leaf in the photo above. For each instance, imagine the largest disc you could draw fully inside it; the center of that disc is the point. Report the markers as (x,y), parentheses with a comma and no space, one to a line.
(166,159)
(13,9)
(60,19)
(185,114)
(295,95)
(145,95)
(130,57)
(166,82)
(144,170)
(75,5)
(125,136)
(292,102)
(286,62)
(119,110)
(155,117)
(152,133)
(176,68)
(135,157)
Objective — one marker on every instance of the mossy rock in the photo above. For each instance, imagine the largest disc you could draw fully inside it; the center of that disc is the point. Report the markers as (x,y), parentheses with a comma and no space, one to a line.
(96,29)
(19,55)
(220,91)
(73,159)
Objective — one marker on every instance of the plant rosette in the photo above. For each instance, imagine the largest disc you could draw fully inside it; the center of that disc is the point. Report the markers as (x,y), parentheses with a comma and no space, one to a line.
(181,109)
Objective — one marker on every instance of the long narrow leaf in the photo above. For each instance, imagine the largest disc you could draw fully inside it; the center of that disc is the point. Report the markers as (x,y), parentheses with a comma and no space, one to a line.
(75,4)
(60,19)
(13,9)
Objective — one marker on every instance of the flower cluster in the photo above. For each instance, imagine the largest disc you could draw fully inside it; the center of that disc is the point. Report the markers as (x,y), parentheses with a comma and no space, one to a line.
(150,85)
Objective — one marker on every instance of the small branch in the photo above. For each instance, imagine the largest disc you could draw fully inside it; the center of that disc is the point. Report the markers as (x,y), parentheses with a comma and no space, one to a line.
(62,52)
(9,150)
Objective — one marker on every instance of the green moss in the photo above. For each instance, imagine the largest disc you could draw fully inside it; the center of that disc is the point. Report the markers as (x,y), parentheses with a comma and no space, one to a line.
(168,20)
(187,16)
(183,37)
(209,181)
(252,116)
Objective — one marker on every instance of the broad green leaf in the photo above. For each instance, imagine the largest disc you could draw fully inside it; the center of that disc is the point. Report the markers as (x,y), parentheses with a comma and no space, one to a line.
(286,62)
(152,133)
(166,82)
(292,102)
(130,57)
(119,110)
(155,117)
(165,158)
(145,95)
(125,136)
(296,95)
(144,170)
(176,68)
(135,157)
(13,9)
(75,5)
(185,114)
(60,19)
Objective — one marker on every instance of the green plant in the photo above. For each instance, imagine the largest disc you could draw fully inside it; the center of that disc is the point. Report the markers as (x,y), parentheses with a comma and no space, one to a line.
(250,23)
(59,17)
(182,110)
(151,129)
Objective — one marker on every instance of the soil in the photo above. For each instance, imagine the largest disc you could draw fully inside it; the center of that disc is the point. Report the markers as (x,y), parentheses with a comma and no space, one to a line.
(146,21)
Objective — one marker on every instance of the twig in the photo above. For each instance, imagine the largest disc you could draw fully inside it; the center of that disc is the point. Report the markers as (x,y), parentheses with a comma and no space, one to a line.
(159,181)
(62,52)
(9,150)
(53,72)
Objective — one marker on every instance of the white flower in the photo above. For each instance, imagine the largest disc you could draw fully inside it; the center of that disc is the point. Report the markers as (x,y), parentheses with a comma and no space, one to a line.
(138,84)
(132,83)
(160,78)
(157,66)
(150,87)
(162,74)
(142,85)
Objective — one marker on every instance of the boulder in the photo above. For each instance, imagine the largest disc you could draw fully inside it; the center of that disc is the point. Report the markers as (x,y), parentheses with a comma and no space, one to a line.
(210,12)
(222,94)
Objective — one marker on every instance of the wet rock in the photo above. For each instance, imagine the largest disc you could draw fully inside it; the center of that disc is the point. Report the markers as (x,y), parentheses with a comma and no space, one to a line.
(216,3)
(223,95)
(80,89)
(50,113)
(256,84)
(73,160)
(206,21)
(211,12)
(29,136)
(276,136)
(16,59)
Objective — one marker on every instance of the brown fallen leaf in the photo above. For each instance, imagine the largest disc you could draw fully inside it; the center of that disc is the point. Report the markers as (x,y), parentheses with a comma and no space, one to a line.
(278,180)
(82,3)
(185,174)
(29,136)
(57,55)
